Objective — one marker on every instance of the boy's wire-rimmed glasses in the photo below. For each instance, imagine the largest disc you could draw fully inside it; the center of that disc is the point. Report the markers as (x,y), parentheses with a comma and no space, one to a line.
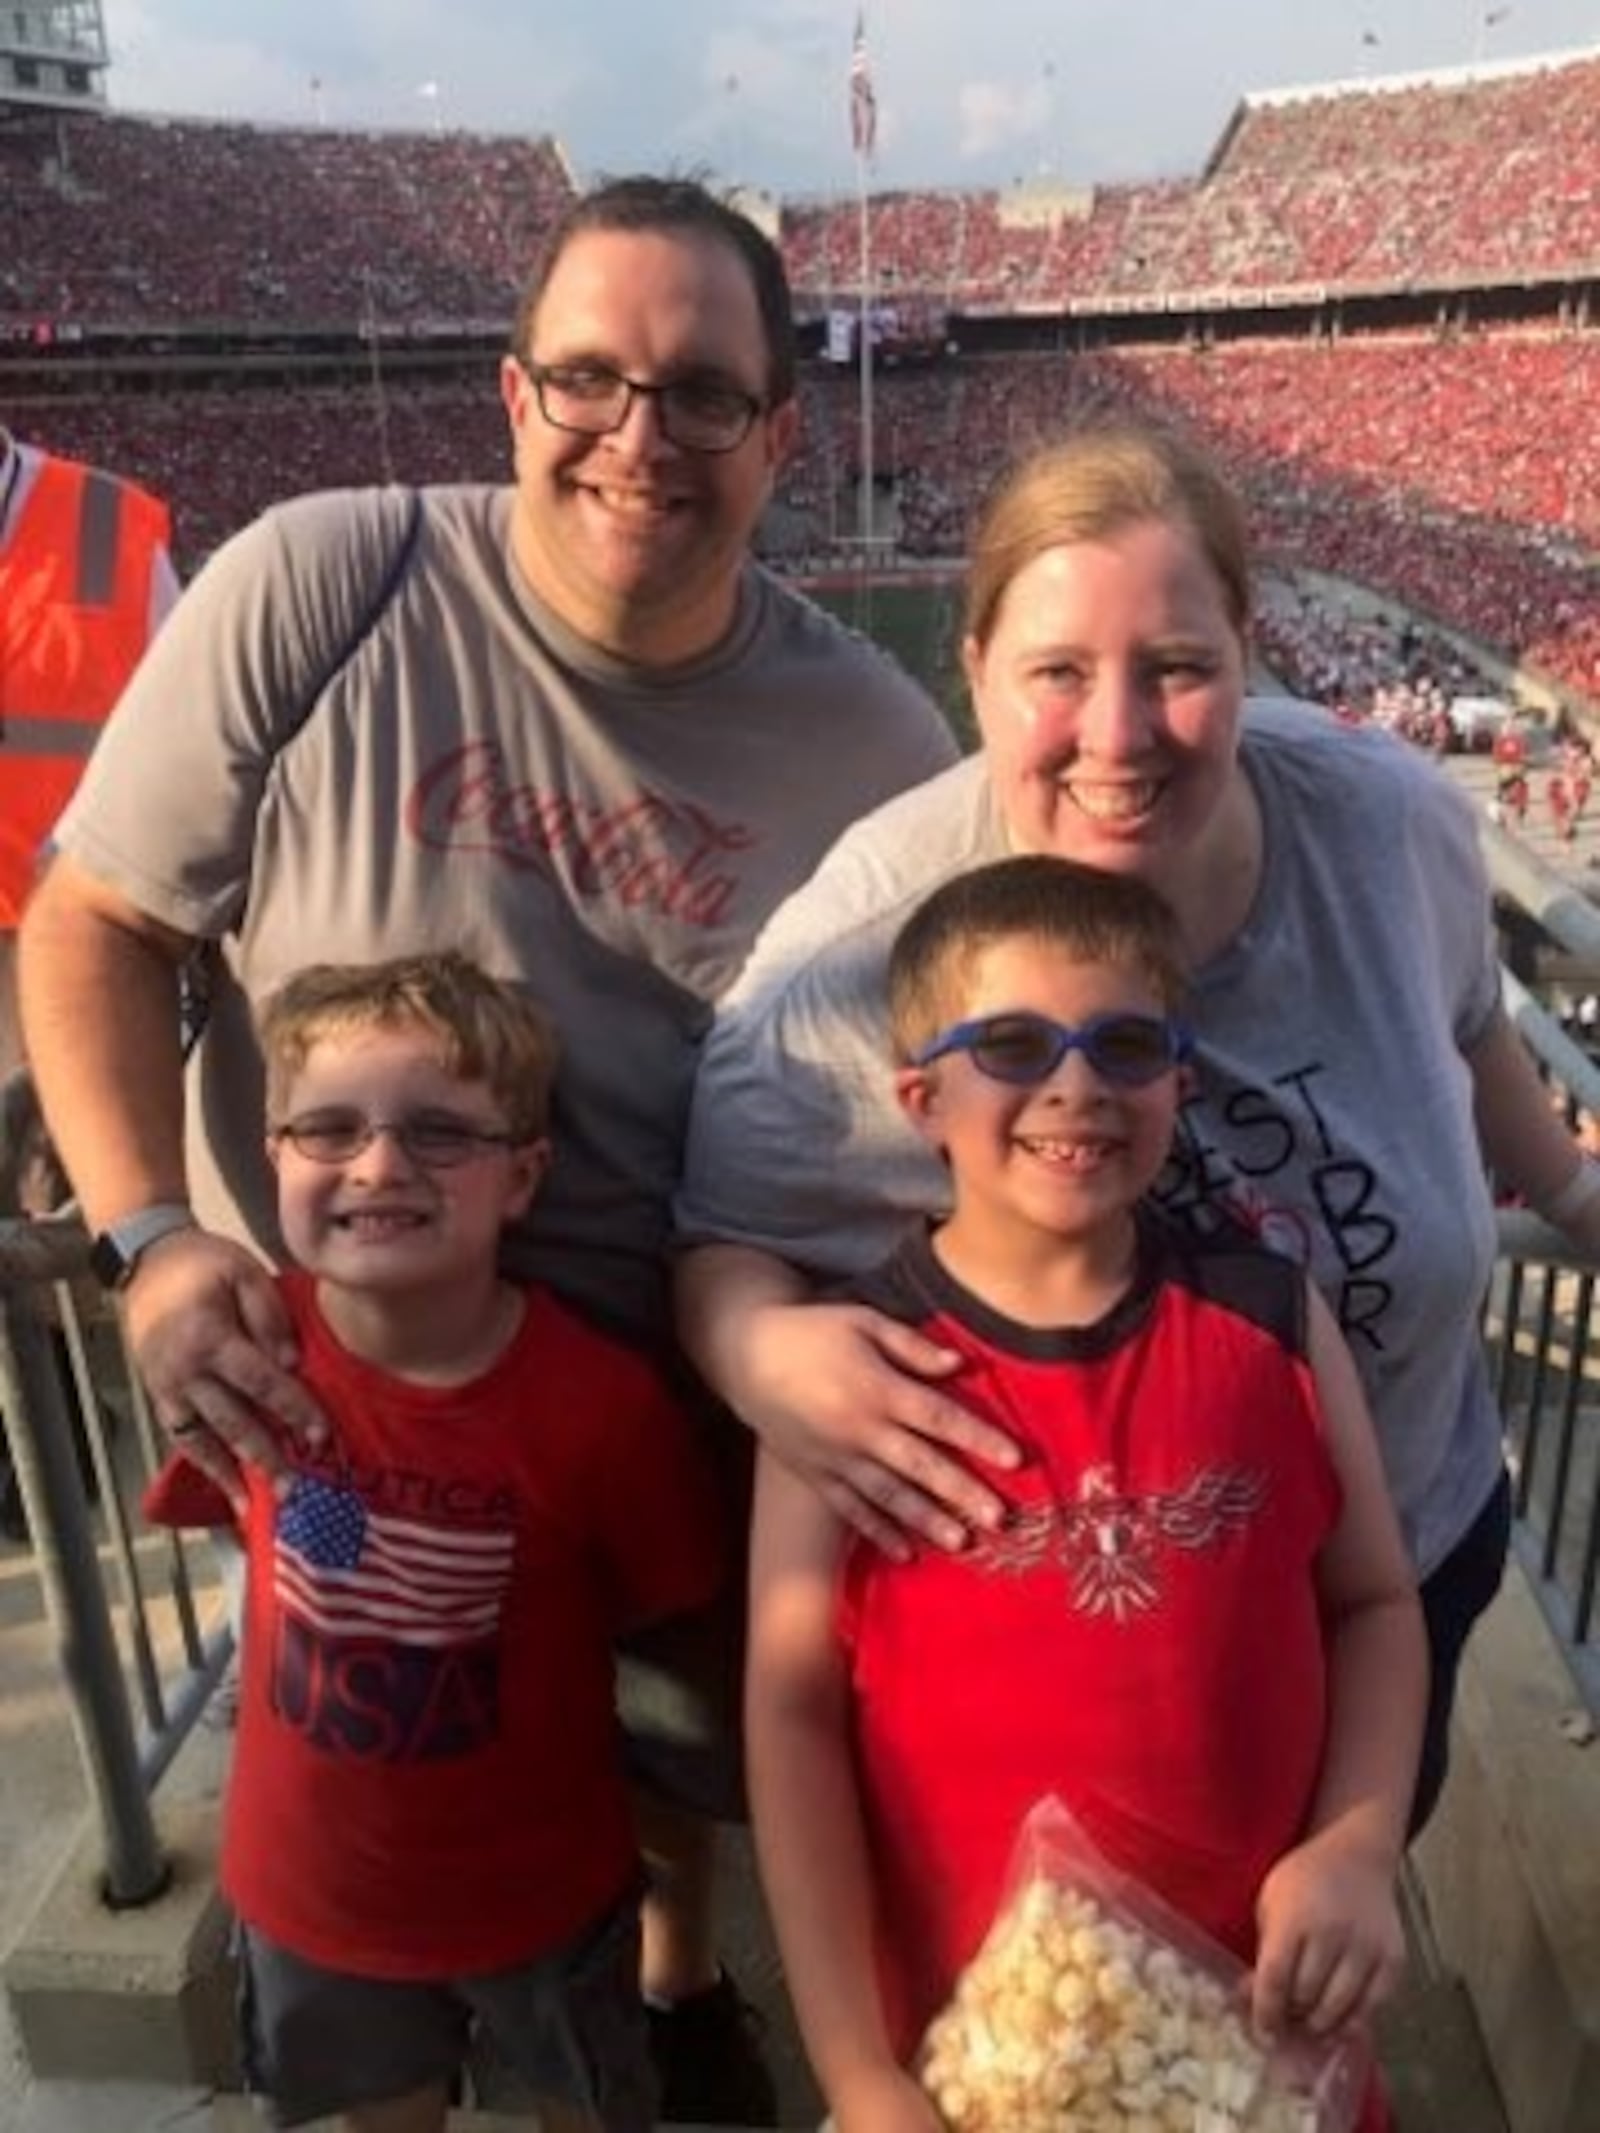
(1024,1049)
(434,1140)
(592,400)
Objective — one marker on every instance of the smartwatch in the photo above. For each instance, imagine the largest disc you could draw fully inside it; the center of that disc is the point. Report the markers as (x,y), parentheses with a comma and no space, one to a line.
(117,1251)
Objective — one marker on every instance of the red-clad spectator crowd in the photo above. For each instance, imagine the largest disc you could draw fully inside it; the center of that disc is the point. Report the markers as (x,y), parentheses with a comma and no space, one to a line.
(1457,476)
(151,222)
(223,456)
(1425,470)
(1462,179)
(1456,471)
(1459,180)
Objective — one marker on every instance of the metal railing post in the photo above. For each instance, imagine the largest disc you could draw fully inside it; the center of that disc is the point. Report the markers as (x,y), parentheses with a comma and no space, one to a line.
(46,1461)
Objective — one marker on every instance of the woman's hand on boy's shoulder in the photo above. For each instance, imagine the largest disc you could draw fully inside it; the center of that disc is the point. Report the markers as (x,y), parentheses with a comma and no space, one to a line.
(849,1399)
(216,1351)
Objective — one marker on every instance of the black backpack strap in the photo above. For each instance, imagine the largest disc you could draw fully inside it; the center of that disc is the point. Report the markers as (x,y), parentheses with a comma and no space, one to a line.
(393,578)
(195,978)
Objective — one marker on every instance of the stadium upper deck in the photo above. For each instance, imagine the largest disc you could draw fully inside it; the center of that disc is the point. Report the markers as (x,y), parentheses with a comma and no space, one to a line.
(1466,179)
(203,291)
(129,222)
(1479,178)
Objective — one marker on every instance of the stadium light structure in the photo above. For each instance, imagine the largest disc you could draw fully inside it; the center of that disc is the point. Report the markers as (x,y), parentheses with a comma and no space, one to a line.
(53,55)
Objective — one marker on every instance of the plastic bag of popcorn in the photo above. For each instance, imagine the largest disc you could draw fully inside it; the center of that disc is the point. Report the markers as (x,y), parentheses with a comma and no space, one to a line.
(1092,2007)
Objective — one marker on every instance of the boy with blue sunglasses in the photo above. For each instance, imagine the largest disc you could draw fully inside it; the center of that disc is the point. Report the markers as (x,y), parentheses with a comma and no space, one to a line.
(1198,1626)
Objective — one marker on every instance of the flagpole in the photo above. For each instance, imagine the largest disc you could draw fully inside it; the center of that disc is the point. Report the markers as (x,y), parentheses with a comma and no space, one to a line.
(380,405)
(863,138)
(866,498)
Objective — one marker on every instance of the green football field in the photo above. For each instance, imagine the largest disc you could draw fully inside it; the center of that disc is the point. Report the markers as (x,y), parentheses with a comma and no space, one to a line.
(920,624)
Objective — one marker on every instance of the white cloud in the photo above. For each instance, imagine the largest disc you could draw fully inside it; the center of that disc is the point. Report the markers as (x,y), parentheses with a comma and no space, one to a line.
(771,90)
(966,94)
(222,76)
(766,77)
(995,115)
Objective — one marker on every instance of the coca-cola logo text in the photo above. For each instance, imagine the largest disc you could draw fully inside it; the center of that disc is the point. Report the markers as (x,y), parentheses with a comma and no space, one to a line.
(666,855)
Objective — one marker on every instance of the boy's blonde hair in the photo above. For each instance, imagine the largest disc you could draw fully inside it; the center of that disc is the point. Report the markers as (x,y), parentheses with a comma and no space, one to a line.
(485,1030)
(1090,915)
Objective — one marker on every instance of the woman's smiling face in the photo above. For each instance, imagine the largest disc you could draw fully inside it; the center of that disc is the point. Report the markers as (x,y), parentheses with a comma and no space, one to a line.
(1109,692)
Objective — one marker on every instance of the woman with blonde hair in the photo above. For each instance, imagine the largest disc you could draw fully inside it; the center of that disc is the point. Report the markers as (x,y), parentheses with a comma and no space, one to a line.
(1354,1070)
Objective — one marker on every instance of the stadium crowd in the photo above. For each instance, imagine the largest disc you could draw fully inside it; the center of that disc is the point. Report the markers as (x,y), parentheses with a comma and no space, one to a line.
(109,221)
(1423,468)
(1366,663)
(1464,178)
(224,455)
(1419,464)
(1460,179)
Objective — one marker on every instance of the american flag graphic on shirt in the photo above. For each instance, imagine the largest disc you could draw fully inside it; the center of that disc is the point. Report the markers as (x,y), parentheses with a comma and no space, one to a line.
(348,1571)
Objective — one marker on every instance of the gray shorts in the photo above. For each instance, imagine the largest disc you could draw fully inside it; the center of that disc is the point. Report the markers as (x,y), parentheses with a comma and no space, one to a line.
(572,2025)
(680,1686)
(678,1701)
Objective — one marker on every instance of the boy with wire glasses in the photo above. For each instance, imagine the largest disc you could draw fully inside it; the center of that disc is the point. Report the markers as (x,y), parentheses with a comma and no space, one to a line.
(428,1824)
(1198,1625)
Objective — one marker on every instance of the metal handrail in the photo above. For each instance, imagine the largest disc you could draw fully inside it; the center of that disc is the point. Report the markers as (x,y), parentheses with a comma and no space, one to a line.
(1541,1328)
(1537,1322)
(40,1263)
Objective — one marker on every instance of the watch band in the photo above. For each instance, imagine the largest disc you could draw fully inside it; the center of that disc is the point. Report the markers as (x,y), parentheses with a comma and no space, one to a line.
(118,1249)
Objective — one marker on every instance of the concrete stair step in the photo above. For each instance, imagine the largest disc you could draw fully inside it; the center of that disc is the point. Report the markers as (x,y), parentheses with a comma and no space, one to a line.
(111,2107)
(235,2114)
(1434,2060)
(125,1998)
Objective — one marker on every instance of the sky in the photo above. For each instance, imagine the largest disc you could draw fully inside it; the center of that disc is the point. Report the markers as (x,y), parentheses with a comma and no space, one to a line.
(969,93)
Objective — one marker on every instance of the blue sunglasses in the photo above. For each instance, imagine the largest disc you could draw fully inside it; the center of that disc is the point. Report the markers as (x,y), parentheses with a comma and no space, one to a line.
(1025,1049)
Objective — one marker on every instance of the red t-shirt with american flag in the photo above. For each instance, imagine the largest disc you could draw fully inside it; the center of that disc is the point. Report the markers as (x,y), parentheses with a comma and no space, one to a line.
(427,1781)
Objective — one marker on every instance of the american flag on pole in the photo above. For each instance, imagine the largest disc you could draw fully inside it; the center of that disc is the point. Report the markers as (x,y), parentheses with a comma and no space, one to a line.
(863,100)
(348,1571)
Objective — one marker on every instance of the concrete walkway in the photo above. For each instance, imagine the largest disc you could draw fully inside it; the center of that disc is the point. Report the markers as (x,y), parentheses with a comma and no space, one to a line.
(1577,857)
(42,1793)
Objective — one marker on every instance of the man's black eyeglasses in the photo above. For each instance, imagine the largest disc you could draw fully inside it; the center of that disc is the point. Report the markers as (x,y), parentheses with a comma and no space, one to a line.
(1024,1049)
(434,1140)
(592,400)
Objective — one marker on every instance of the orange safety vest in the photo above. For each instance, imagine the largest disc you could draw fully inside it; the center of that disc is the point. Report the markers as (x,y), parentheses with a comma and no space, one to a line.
(74,619)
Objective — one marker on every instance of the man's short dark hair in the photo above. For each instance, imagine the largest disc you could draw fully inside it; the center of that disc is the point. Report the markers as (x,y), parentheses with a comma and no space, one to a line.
(646,204)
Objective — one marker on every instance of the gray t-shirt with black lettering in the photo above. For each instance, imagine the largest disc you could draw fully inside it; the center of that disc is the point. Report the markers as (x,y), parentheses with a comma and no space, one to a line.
(475,776)
(1332,1113)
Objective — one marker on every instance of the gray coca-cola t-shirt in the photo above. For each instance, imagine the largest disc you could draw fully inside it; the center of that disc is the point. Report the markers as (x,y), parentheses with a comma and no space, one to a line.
(474,776)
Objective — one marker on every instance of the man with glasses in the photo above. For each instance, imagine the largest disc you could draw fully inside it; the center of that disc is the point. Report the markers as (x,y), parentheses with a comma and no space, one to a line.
(568,727)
